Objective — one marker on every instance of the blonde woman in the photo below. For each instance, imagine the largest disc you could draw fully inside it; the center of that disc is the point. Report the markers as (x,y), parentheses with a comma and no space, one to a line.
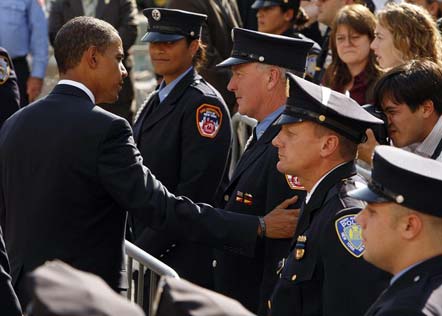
(404,32)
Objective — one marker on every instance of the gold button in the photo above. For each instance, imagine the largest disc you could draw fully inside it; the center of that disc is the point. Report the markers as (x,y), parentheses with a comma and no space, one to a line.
(293,277)
(226,198)
(269,304)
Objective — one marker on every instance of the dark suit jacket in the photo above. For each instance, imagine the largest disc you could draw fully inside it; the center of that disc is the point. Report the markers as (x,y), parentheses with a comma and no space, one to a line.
(251,280)
(121,14)
(9,303)
(68,172)
(217,36)
(321,275)
(186,162)
(418,292)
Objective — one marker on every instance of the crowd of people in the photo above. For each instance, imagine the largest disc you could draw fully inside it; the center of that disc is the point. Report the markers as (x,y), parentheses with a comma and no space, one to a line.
(295,229)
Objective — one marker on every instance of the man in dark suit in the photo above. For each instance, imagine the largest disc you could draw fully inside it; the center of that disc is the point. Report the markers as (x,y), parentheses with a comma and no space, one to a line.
(324,273)
(222,16)
(9,302)
(121,14)
(9,93)
(258,62)
(402,231)
(69,170)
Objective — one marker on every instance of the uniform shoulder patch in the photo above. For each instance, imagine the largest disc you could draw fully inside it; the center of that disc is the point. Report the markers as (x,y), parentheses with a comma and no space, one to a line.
(5,69)
(311,65)
(208,120)
(350,234)
(294,182)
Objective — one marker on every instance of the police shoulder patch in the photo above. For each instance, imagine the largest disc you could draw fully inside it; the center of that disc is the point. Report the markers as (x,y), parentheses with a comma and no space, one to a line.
(350,234)
(208,120)
(294,182)
(5,69)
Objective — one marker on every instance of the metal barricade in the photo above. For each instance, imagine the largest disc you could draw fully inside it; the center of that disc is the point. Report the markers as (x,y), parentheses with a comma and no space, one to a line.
(146,262)
(240,136)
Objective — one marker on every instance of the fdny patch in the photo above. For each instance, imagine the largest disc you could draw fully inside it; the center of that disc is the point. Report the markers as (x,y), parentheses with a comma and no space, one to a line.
(208,120)
(5,69)
(293,182)
(350,235)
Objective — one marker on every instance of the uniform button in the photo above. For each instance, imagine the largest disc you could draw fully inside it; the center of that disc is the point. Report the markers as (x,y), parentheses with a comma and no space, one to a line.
(269,304)
(416,278)
(162,255)
(214,263)
(293,277)
(226,198)
(173,245)
(167,250)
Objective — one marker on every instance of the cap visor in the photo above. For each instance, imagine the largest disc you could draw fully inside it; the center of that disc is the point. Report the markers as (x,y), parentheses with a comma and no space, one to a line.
(160,37)
(287,119)
(367,195)
(264,4)
(232,61)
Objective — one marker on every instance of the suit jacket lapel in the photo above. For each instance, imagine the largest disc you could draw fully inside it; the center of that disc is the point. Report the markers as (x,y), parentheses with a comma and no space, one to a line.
(168,104)
(254,152)
(320,194)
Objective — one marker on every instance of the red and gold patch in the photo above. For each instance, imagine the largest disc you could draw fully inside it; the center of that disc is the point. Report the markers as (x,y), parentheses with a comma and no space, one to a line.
(294,182)
(208,120)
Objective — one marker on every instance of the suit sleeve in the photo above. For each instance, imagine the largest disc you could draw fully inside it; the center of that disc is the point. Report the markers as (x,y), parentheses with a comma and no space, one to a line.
(128,26)
(55,19)
(9,301)
(136,190)
(204,156)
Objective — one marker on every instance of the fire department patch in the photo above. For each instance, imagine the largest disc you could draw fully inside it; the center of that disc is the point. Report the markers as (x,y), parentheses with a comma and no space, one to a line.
(350,235)
(208,120)
(5,69)
(293,182)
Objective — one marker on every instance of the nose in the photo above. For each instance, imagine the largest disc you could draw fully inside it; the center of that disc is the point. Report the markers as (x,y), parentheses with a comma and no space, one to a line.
(232,86)
(373,44)
(276,142)
(123,71)
(360,218)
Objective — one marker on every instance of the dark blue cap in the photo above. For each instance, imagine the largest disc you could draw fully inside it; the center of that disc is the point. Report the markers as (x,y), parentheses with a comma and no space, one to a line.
(251,46)
(258,4)
(168,25)
(334,110)
(404,178)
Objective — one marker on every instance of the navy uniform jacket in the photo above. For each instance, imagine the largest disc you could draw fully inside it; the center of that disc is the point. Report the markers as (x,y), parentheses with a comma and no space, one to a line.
(9,95)
(189,159)
(9,303)
(324,273)
(256,188)
(69,171)
(418,292)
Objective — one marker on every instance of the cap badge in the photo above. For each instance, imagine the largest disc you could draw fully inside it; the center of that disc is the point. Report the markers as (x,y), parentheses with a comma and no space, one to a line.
(156,14)
(350,234)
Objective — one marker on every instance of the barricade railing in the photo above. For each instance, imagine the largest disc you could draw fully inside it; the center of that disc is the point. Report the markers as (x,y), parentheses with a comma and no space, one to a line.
(240,136)
(146,262)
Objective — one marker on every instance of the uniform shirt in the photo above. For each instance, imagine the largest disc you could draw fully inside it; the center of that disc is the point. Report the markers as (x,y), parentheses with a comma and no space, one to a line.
(164,89)
(430,143)
(262,126)
(24,31)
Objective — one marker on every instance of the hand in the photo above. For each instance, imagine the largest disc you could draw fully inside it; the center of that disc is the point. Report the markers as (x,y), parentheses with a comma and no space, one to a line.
(33,88)
(281,222)
(365,150)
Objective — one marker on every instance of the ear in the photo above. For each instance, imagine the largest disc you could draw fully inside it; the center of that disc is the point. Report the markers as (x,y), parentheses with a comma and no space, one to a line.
(273,76)
(427,108)
(288,15)
(330,143)
(410,225)
(194,45)
(91,57)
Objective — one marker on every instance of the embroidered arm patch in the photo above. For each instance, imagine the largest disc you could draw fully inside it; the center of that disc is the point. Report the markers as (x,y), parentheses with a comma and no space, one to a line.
(208,120)
(350,234)
(5,69)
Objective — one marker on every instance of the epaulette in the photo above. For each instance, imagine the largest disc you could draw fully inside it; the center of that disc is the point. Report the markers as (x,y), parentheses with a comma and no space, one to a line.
(204,87)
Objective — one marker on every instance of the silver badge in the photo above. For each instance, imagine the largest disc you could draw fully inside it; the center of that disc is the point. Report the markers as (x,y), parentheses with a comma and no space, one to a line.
(156,14)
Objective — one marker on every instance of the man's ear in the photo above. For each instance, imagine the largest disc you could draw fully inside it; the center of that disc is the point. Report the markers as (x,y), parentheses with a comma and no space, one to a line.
(274,75)
(330,144)
(288,15)
(427,108)
(91,56)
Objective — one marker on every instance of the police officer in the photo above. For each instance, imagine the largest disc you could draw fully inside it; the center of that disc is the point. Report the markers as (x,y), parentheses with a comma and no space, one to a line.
(278,17)
(9,93)
(324,273)
(402,231)
(183,132)
(258,63)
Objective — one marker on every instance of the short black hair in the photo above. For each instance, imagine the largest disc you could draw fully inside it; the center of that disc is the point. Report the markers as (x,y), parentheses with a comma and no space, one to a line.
(77,35)
(412,83)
